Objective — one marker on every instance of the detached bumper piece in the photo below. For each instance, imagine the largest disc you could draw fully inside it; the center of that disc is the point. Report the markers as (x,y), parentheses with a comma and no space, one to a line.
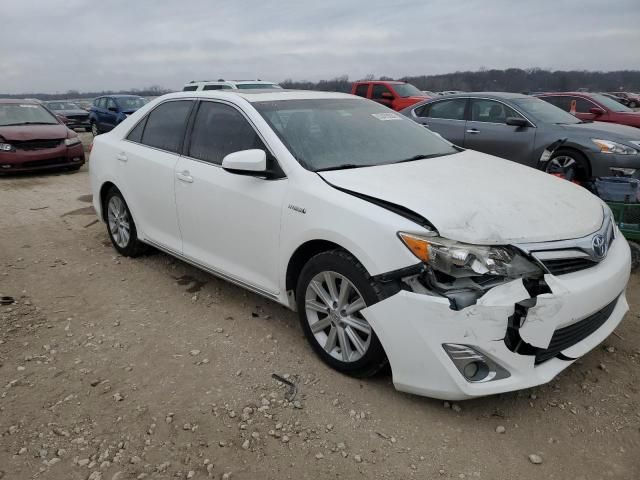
(567,337)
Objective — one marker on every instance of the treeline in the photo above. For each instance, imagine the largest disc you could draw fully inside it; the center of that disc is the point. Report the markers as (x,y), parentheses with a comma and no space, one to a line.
(509,80)
(152,91)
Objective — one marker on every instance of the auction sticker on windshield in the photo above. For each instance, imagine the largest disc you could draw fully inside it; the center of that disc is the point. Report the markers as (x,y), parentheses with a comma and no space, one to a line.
(386,116)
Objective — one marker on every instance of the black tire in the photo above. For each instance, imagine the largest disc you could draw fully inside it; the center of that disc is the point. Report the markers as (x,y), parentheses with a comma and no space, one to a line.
(579,172)
(635,255)
(87,129)
(341,262)
(633,104)
(75,168)
(132,247)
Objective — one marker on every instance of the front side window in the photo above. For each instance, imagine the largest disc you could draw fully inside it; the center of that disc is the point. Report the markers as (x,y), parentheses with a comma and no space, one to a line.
(582,105)
(102,102)
(378,90)
(447,109)
(361,90)
(214,87)
(111,104)
(190,88)
(325,134)
(542,111)
(490,111)
(219,130)
(25,114)
(407,90)
(165,125)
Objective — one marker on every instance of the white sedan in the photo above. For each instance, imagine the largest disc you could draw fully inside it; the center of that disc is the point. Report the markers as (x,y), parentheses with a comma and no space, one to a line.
(468,274)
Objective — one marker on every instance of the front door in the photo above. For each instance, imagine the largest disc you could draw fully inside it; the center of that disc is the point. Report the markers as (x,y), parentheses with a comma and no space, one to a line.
(230,223)
(487,132)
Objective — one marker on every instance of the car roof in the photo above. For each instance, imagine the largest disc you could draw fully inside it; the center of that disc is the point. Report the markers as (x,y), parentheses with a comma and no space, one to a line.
(260,94)
(395,82)
(490,95)
(19,100)
(575,94)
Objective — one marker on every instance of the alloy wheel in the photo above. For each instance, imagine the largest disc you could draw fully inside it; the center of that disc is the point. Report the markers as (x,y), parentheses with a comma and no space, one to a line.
(119,222)
(333,306)
(94,129)
(563,165)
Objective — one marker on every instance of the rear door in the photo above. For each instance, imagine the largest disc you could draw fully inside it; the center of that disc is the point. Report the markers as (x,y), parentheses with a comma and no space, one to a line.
(487,131)
(147,160)
(230,223)
(446,117)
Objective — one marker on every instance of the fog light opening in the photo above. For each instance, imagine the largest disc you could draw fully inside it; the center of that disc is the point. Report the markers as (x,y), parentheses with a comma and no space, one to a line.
(473,364)
(476,371)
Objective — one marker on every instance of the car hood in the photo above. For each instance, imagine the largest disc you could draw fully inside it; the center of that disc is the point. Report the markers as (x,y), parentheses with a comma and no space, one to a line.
(33,132)
(624,132)
(71,112)
(476,198)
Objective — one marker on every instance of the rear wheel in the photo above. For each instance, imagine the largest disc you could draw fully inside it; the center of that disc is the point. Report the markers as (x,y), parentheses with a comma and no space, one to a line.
(94,129)
(120,225)
(332,290)
(568,164)
(632,104)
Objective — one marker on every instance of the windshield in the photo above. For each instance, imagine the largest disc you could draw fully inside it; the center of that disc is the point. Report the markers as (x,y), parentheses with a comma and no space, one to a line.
(610,103)
(62,106)
(25,114)
(544,111)
(130,103)
(251,86)
(407,90)
(325,134)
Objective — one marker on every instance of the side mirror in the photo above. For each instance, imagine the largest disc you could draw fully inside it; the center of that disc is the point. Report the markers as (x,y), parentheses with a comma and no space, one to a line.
(62,118)
(246,162)
(113,109)
(517,122)
(387,95)
(596,111)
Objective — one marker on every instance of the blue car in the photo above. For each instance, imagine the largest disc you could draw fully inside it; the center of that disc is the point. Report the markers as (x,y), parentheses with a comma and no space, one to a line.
(109,110)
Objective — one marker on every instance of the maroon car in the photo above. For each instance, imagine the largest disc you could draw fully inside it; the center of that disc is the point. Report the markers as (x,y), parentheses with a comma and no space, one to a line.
(593,107)
(32,138)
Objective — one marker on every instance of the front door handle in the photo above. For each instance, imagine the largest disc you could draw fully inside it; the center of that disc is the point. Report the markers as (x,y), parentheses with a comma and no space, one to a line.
(122,157)
(185,176)
(473,130)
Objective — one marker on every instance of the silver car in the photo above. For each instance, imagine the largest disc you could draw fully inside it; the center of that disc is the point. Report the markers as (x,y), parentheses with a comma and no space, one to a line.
(520,127)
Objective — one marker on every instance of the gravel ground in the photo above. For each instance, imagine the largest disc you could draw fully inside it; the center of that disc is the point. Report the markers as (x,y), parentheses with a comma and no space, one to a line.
(115,368)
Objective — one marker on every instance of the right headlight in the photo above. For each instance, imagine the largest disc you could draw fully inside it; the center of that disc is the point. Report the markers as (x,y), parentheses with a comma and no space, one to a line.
(466,260)
(607,146)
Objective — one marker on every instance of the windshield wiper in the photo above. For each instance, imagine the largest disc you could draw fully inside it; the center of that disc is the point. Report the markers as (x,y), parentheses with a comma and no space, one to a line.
(346,166)
(422,156)
(26,123)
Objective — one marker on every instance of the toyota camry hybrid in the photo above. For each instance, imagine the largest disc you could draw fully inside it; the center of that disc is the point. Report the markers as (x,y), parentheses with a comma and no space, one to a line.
(468,274)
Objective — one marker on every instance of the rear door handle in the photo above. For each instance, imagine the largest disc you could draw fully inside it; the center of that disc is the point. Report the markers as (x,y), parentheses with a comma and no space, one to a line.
(473,130)
(184,176)
(122,157)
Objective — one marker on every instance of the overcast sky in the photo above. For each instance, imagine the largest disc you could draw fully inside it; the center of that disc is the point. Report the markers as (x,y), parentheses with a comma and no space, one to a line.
(59,45)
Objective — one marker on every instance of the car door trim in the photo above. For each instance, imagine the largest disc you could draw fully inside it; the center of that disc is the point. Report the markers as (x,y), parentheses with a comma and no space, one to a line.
(217,273)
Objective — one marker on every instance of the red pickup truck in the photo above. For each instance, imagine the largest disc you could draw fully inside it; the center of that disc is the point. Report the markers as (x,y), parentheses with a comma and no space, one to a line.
(395,95)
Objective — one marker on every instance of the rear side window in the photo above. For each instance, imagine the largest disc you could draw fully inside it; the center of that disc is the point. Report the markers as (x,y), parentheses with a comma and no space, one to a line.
(216,87)
(219,130)
(559,101)
(446,109)
(190,88)
(361,90)
(135,135)
(165,125)
(102,102)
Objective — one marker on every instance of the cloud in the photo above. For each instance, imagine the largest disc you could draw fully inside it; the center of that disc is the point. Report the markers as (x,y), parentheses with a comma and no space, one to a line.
(60,45)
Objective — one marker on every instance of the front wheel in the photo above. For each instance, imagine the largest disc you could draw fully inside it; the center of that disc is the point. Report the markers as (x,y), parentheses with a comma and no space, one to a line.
(121,227)
(568,164)
(635,255)
(633,104)
(94,129)
(332,291)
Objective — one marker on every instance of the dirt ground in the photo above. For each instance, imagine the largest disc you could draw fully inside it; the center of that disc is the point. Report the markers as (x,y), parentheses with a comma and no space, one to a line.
(115,368)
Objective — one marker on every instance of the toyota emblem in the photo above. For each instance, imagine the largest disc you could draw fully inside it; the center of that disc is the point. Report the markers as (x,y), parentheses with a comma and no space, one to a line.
(599,246)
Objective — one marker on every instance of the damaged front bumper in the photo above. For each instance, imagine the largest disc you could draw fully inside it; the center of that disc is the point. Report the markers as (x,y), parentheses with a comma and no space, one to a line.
(527,341)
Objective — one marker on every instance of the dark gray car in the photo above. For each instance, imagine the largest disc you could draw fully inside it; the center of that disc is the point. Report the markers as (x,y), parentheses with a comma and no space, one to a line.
(519,128)
(76,116)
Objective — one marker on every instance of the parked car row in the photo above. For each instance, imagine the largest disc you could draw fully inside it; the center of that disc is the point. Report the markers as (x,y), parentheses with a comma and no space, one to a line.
(394,245)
